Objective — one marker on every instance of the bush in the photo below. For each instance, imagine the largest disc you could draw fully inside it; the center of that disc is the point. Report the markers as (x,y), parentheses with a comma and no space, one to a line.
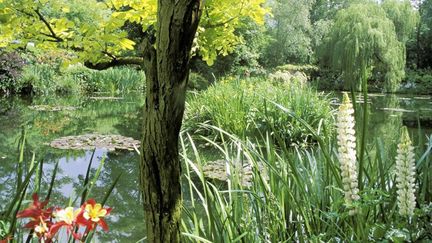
(287,77)
(417,81)
(327,80)
(11,65)
(307,69)
(243,108)
(197,82)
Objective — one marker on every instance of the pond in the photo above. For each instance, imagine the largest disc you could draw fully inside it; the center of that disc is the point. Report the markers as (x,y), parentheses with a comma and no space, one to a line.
(45,119)
(79,115)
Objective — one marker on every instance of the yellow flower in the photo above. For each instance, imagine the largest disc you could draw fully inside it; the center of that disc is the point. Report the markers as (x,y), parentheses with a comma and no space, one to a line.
(94,212)
(41,228)
(67,215)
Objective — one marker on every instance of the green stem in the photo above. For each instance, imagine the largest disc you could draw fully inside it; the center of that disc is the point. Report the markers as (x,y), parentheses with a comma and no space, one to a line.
(363,131)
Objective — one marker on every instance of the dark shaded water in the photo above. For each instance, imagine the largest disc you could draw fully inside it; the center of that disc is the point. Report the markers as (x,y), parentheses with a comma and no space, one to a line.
(122,116)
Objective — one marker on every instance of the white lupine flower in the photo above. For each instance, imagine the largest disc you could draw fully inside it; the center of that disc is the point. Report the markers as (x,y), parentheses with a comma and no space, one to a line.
(347,151)
(405,175)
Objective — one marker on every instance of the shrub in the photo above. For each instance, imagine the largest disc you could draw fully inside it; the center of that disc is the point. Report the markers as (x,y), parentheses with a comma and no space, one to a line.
(280,76)
(11,65)
(197,82)
(327,80)
(307,69)
(244,108)
(417,81)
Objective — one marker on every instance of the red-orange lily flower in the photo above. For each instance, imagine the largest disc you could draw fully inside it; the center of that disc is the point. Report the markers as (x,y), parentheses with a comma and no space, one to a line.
(36,210)
(40,218)
(92,214)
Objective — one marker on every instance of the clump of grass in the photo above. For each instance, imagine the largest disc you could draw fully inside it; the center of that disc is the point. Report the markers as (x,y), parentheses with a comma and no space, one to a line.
(116,80)
(241,107)
(43,79)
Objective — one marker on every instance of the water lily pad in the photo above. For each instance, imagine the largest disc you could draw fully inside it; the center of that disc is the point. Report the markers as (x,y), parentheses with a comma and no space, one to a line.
(422,97)
(217,170)
(396,110)
(376,95)
(52,108)
(91,141)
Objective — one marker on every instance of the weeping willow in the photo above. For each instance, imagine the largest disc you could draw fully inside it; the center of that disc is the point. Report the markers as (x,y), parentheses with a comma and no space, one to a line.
(363,40)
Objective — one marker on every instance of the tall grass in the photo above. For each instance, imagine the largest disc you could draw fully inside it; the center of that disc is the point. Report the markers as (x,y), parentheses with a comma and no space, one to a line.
(116,80)
(43,79)
(241,107)
(296,196)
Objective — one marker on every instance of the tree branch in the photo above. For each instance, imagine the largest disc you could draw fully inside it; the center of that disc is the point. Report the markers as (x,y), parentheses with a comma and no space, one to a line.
(51,30)
(121,61)
(209,25)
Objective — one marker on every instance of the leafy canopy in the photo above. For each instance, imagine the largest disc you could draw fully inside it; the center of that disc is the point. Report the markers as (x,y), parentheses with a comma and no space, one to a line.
(95,30)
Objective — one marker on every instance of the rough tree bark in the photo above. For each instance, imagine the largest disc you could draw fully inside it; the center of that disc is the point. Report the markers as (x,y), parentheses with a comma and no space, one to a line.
(166,63)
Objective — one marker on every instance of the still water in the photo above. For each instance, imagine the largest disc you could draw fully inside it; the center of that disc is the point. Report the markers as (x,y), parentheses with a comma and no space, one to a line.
(123,116)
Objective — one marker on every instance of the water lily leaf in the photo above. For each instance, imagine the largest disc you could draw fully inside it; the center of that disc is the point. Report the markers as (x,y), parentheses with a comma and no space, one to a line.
(94,140)
(396,110)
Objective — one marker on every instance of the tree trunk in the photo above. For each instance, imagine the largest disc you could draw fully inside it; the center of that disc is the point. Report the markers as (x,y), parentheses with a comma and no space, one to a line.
(166,64)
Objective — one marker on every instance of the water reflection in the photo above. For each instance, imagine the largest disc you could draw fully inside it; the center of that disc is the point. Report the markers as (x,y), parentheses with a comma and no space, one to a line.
(41,127)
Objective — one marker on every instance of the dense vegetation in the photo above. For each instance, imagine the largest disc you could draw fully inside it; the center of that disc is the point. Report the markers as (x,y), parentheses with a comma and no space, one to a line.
(266,156)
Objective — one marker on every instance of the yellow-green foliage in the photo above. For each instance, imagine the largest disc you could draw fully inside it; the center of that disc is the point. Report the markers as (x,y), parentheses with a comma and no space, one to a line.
(243,107)
(93,28)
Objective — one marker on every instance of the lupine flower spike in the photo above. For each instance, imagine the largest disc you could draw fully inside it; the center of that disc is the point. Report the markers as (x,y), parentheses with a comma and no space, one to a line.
(347,152)
(405,175)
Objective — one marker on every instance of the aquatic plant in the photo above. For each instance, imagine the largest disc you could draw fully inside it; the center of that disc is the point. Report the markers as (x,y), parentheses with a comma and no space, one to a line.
(347,151)
(405,175)
(91,141)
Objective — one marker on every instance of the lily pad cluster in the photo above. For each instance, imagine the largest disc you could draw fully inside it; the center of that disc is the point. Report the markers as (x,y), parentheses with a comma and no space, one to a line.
(52,108)
(91,141)
(217,170)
